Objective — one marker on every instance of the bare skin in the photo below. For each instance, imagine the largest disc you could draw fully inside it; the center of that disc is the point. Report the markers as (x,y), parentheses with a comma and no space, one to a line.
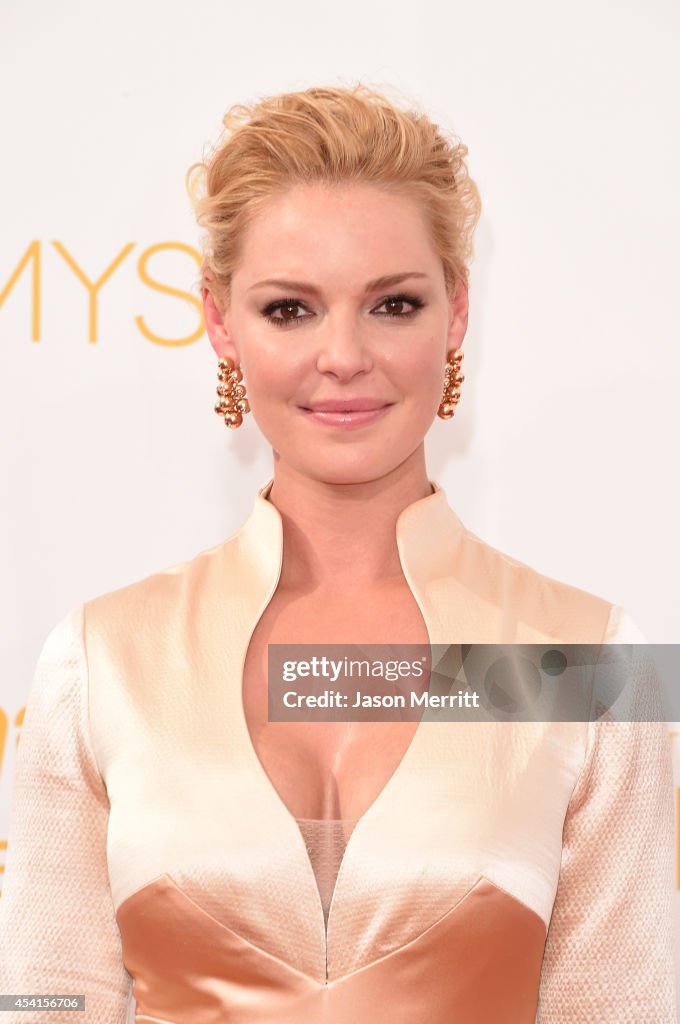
(329,769)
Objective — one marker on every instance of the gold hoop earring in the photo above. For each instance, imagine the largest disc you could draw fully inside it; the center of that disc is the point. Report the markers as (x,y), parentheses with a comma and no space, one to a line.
(232,402)
(453,378)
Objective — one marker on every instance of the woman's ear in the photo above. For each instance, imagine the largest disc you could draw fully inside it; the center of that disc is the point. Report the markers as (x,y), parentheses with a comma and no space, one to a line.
(458,319)
(215,325)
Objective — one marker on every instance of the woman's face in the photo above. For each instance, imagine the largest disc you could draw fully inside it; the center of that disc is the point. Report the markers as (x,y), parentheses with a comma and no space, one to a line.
(313,320)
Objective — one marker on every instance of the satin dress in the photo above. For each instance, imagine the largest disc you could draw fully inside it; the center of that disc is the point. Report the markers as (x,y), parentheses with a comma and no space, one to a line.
(507,873)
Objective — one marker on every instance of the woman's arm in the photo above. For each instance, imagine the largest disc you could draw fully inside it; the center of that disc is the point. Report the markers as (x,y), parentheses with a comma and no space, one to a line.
(609,955)
(58,932)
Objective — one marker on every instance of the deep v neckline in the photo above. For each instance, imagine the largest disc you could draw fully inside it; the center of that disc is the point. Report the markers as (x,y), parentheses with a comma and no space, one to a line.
(380,803)
(383,804)
(386,799)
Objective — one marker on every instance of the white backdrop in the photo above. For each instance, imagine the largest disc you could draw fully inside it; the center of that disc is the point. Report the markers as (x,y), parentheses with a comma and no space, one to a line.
(113,463)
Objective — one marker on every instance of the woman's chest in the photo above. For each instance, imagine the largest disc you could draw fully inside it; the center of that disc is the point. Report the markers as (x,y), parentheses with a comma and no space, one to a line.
(329,769)
(465,803)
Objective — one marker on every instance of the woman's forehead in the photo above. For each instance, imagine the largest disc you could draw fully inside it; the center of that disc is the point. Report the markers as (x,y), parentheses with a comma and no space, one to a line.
(306,236)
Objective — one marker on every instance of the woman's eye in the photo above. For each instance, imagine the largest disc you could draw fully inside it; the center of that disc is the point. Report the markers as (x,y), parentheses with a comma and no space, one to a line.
(395,305)
(290,307)
(287,307)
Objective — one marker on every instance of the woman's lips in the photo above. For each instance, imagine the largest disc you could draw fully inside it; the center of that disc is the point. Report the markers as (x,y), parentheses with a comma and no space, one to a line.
(347,418)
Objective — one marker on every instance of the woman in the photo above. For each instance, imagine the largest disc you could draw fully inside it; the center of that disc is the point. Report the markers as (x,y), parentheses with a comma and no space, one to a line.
(236,868)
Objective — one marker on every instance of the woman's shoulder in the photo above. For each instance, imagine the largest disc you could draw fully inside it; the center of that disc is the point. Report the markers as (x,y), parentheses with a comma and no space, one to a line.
(543,603)
(160,593)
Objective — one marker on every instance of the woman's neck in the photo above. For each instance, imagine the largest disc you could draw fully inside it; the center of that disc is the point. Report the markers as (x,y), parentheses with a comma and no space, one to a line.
(342,536)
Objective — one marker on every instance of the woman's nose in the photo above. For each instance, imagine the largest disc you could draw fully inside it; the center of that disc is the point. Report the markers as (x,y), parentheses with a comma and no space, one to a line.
(343,346)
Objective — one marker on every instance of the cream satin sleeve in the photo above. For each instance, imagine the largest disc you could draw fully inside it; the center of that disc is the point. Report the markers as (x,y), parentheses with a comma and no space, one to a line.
(58,932)
(609,954)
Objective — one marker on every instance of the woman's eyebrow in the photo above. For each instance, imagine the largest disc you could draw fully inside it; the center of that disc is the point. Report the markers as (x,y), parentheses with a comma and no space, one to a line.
(380,282)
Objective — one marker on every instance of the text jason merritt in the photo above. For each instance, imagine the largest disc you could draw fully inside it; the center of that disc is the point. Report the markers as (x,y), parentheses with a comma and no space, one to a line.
(337,699)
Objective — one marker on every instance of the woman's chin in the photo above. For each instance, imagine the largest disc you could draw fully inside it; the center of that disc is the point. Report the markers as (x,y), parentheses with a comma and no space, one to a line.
(346,472)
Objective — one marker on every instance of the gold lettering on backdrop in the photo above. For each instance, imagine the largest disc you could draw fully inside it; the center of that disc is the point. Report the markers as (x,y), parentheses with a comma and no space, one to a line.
(4,729)
(4,733)
(32,253)
(93,286)
(18,722)
(167,290)
(33,256)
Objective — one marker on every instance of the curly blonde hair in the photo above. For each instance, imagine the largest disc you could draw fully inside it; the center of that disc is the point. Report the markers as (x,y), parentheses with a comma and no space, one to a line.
(331,135)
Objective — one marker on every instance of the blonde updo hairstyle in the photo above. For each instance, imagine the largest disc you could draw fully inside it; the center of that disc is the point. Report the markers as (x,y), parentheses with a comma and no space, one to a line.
(330,135)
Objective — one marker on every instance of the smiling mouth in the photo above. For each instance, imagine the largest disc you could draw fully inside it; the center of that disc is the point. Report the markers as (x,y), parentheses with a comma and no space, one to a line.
(354,405)
(373,408)
(346,418)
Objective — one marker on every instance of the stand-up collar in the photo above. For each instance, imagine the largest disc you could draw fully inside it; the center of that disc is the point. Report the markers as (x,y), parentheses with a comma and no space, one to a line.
(466,589)
(427,534)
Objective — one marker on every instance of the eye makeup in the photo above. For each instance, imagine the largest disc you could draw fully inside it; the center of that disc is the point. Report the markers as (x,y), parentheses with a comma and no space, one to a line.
(292,303)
